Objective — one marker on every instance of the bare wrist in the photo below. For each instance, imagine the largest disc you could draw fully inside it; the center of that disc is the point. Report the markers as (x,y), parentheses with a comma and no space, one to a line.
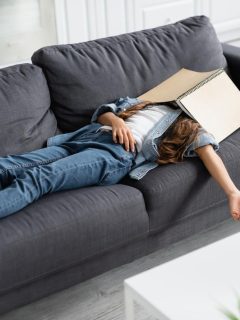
(107,118)
(232,191)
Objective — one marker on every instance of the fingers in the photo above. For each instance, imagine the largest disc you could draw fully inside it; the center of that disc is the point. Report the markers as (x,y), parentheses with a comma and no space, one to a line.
(236,215)
(234,204)
(131,141)
(124,136)
(117,136)
(114,135)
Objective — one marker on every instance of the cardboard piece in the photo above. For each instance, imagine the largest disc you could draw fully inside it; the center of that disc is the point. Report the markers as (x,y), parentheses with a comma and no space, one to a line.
(209,97)
(175,86)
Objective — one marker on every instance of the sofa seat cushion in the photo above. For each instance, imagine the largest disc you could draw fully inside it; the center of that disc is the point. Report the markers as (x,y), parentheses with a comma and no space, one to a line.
(63,229)
(26,120)
(82,76)
(174,192)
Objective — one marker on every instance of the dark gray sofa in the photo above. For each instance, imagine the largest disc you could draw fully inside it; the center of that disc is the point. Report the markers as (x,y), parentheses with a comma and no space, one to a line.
(68,237)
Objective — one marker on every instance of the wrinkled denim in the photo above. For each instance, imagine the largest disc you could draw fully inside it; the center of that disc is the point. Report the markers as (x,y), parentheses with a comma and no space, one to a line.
(92,159)
(146,158)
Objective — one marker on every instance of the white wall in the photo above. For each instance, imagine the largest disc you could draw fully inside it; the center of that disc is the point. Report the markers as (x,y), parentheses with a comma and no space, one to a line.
(84,20)
(25,25)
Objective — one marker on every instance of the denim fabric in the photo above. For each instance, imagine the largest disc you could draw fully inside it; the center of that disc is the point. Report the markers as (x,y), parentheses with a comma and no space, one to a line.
(145,160)
(203,139)
(92,159)
(12,165)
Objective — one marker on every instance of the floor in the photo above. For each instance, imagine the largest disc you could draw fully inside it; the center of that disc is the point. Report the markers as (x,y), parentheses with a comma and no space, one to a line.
(101,298)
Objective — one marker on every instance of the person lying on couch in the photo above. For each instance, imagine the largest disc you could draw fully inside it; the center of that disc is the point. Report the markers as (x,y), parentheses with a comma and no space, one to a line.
(128,136)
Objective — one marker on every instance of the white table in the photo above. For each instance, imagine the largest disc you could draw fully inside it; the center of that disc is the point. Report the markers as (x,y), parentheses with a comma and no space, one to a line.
(192,287)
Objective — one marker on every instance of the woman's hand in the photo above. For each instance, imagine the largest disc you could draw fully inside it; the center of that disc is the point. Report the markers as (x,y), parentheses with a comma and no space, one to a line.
(122,134)
(217,169)
(120,131)
(234,204)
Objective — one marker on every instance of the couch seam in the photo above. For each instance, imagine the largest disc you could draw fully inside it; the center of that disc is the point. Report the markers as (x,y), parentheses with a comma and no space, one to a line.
(189,216)
(73,264)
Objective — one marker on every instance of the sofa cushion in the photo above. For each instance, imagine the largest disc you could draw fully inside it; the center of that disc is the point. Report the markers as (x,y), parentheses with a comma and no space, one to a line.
(63,229)
(26,120)
(175,192)
(84,75)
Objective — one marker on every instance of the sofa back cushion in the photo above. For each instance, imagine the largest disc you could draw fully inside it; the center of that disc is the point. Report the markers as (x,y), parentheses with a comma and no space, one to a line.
(84,75)
(26,118)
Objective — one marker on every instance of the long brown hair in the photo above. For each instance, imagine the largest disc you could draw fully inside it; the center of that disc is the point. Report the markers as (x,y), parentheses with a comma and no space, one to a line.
(176,138)
(134,109)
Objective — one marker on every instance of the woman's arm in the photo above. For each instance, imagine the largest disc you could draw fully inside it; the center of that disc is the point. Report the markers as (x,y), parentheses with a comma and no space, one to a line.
(121,104)
(217,169)
(120,130)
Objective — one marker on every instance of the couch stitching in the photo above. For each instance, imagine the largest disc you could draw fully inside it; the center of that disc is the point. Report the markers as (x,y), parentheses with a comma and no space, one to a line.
(73,264)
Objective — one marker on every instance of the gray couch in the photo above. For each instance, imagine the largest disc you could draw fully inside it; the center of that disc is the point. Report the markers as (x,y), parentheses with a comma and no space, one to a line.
(68,237)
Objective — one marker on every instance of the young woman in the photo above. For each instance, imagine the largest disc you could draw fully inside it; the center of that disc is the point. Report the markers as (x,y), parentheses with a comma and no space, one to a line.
(128,136)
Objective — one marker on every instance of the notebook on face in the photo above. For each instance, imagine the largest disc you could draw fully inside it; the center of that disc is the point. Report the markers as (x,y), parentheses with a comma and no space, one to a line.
(209,97)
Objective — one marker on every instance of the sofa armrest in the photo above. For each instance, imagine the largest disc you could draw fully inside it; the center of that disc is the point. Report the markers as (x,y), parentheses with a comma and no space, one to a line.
(232,55)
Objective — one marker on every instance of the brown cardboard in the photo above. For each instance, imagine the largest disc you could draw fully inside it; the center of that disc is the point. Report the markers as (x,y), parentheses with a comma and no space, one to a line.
(214,100)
